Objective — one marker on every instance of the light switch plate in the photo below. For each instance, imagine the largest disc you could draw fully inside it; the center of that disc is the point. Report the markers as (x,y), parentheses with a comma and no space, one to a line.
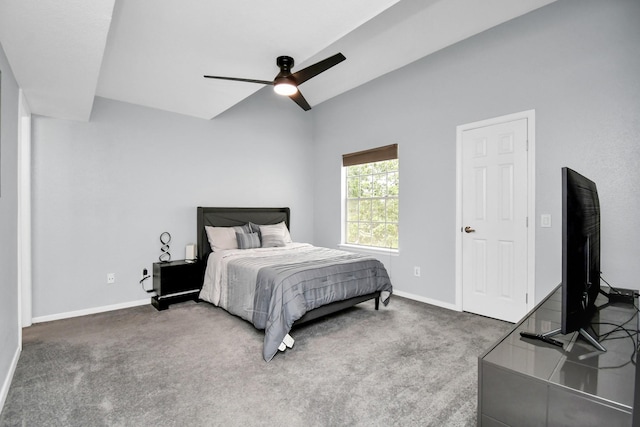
(545,220)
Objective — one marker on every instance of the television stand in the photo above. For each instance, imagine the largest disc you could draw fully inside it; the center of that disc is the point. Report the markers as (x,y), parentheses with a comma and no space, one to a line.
(584,334)
(614,296)
(527,383)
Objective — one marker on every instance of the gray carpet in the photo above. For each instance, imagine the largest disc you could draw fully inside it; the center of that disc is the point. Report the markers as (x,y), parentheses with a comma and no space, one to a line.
(195,365)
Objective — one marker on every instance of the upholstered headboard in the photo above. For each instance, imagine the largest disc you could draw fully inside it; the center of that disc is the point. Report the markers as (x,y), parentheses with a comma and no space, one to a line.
(228,217)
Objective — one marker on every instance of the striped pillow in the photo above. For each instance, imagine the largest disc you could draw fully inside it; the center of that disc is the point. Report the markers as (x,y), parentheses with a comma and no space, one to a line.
(272,236)
(248,240)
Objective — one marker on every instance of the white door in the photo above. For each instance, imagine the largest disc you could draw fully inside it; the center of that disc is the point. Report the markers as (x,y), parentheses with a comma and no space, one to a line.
(494,220)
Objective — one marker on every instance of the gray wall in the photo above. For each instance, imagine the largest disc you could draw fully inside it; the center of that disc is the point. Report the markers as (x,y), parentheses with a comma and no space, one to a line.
(103,191)
(8,218)
(575,62)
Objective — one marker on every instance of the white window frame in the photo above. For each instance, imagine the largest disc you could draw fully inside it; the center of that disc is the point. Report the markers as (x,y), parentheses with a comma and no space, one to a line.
(374,250)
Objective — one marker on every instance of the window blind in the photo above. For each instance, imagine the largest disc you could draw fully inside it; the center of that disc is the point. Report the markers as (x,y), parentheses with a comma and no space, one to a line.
(388,152)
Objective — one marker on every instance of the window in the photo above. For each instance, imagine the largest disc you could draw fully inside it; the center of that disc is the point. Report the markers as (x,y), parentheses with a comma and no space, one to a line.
(372,190)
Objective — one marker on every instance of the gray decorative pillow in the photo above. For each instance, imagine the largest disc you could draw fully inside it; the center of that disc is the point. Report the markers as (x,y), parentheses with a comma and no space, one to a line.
(253,228)
(248,240)
(244,228)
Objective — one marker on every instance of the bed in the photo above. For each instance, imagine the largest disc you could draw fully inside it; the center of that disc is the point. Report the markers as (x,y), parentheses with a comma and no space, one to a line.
(285,284)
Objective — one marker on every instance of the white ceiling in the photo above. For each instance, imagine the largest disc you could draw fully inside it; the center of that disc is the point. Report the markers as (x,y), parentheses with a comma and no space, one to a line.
(154,52)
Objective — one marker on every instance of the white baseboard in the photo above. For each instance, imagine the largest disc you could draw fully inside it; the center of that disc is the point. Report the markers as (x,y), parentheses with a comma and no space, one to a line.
(6,384)
(426,300)
(93,310)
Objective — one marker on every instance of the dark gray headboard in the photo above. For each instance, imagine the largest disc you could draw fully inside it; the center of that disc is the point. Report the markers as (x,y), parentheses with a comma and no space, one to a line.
(228,217)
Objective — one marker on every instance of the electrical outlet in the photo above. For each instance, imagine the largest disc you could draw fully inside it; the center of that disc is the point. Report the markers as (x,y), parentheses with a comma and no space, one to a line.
(416,271)
(111,278)
(143,278)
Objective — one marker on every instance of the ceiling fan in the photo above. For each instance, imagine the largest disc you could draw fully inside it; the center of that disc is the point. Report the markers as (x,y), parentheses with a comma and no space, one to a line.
(286,83)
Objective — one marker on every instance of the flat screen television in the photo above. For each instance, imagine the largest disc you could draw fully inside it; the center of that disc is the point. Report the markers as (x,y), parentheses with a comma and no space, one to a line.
(580,257)
(580,253)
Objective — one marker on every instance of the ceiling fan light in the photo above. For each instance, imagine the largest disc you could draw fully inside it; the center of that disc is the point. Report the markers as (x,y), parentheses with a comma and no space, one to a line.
(285,88)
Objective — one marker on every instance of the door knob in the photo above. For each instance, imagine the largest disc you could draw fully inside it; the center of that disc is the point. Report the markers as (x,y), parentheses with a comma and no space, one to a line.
(468,229)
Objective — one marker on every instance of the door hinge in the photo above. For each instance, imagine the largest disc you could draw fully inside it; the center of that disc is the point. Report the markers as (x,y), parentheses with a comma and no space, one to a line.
(526,298)
(526,146)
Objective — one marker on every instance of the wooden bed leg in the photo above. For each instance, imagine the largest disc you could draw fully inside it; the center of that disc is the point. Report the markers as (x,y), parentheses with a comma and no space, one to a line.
(377,302)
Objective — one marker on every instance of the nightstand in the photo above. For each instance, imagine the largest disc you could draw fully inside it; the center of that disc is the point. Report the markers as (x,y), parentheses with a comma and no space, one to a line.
(176,281)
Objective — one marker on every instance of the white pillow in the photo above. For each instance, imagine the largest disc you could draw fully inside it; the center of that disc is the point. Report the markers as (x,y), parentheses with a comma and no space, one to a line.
(285,231)
(221,238)
(272,236)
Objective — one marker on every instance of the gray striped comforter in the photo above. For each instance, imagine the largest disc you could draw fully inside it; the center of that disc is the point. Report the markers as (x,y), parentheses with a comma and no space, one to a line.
(274,287)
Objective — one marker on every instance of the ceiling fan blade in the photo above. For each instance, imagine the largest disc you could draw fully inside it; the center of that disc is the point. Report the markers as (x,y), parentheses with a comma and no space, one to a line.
(299,99)
(317,68)
(237,79)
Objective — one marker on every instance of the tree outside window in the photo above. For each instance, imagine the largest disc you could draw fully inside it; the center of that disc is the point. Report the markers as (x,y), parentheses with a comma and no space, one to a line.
(372,191)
